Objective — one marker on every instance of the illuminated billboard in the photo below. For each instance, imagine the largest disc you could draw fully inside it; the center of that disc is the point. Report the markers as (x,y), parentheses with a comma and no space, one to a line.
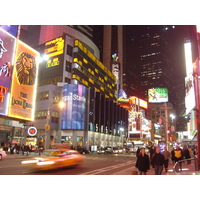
(74,112)
(11,29)
(137,101)
(157,95)
(189,93)
(24,82)
(188,58)
(89,71)
(51,70)
(7,48)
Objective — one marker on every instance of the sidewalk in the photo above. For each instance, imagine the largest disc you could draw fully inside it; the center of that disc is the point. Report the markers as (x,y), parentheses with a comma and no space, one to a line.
(187,169)
(20,156)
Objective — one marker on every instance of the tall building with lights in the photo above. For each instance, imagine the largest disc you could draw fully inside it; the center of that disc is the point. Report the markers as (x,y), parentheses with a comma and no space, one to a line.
(74,73)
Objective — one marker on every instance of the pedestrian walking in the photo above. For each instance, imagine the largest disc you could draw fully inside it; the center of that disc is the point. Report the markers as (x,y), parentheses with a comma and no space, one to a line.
(36,148)
(152,151)
(166,155)
(172,155)
(158,161)
(143,162)
(178,155)
(17,148)
(187,155)
(138,152)
(12,147)
(22,148)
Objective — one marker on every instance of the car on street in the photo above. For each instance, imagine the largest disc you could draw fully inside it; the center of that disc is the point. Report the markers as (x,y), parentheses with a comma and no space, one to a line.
(82,150)
(101,151)
(2,154)
(54,159)
(117,150)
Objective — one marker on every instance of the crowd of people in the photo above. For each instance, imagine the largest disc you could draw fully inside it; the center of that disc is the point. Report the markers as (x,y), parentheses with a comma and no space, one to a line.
(17,148)
(160,161)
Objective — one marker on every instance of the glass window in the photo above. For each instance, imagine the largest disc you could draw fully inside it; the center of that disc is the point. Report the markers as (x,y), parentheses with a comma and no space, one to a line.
(69,50)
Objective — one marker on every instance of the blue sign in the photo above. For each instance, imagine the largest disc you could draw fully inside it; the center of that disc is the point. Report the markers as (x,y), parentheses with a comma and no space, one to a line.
(74,113)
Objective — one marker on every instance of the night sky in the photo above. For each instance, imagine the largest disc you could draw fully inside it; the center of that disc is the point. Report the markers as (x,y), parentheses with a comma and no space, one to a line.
(176,38)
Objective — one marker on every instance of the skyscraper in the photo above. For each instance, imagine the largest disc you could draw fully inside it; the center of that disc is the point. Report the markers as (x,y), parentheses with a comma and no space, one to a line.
(113,44)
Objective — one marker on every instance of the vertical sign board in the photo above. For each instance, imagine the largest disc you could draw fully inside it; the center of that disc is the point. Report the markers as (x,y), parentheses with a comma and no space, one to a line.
(189,93)
(51,71)
(74,113)
(7,48)
(24,81)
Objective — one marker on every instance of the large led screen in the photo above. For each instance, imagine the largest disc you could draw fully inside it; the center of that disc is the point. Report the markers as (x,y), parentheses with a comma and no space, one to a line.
(189,93)
(74,112)
(24,81)
(7,48)
(51,69)
(158,95)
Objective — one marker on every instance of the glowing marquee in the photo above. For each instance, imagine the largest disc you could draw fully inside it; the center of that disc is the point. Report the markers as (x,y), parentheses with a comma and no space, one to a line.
(24,81)
(7,49)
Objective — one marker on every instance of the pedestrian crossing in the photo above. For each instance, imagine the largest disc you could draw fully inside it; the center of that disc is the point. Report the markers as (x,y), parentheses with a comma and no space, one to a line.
(105,169)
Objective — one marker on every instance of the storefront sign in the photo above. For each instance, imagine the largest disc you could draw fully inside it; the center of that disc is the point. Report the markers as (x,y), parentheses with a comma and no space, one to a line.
(32,131)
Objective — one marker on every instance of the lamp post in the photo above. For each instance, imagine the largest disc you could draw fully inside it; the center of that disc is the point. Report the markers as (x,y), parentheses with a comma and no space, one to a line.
(61,104)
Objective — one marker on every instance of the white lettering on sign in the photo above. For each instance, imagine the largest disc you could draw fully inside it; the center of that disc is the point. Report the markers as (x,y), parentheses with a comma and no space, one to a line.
(73,97)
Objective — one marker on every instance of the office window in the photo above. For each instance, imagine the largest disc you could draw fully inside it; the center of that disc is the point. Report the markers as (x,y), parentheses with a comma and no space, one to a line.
(69,50)
(42,96)
(68,66)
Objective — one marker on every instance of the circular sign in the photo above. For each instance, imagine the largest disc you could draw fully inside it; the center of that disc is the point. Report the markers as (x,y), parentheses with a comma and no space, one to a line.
(32,131)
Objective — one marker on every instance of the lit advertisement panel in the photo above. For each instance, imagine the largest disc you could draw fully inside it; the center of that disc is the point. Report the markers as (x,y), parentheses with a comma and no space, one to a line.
(7,48)
(135,100)
(157,95)
(24,81)
(12,29)
(188,58)
(190,94)
(74,112)
(51,70)
(88,70)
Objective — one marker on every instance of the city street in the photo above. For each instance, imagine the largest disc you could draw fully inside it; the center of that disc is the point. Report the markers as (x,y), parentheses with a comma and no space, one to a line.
(94,164)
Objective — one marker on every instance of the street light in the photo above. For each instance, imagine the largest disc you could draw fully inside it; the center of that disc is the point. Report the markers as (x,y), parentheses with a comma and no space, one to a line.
(173,117)
(61,105)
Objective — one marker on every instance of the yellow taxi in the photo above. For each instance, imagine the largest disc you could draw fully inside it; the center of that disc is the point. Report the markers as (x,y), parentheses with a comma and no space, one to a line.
(54,159)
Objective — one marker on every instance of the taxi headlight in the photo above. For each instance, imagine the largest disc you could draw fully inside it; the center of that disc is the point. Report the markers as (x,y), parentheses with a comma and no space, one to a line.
(46,163)
(29,161)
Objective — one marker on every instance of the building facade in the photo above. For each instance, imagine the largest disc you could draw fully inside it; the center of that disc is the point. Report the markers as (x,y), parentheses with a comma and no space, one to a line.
(73,61)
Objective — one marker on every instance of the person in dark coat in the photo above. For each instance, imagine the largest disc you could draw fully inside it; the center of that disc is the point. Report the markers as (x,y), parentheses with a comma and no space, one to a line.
(152,151)
(173,156)
(186,153)
(143,162)
(158,161)
(138,152)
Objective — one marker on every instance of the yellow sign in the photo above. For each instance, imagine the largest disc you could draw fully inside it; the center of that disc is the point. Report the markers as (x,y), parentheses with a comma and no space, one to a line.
(56,49)
(24,81)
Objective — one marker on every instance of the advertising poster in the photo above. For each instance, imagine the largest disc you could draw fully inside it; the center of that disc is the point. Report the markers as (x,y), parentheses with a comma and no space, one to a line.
(158,95)
(189,94)
(24,81)
(74,112)
(7,48)
(51,70)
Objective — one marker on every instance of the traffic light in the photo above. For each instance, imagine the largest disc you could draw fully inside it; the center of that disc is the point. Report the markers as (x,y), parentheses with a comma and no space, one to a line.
(47,127)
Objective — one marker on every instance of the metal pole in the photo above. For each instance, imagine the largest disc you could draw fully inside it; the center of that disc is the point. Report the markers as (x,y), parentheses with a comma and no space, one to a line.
(46,146)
